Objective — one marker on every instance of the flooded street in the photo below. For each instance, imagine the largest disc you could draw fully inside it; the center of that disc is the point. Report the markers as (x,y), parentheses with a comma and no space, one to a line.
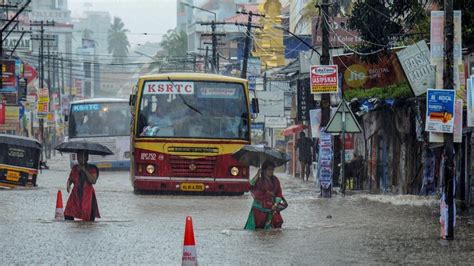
(148,229)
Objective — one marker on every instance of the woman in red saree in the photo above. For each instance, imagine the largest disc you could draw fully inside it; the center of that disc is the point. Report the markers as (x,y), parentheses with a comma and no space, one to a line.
(82,203)
(266,191)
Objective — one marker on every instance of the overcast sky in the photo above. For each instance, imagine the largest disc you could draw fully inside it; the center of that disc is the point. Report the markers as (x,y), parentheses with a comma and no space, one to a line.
(151,16)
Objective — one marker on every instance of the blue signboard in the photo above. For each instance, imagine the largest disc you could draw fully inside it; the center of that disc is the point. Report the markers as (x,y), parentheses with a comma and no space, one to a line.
(440,110)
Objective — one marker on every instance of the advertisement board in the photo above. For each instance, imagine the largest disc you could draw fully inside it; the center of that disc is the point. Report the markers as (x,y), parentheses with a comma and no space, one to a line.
(324,79)
(440,110)
(275,122)
(9,78)
(360,73)
(325,159)
(11,118)
(415,61)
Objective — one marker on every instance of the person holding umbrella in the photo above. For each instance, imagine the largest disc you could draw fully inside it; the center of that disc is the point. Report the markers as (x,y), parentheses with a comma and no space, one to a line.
(268,200)
(82,202)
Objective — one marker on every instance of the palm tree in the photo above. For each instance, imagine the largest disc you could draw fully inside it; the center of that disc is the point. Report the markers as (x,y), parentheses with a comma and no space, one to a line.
(118,41)
(339,7)
(175,43)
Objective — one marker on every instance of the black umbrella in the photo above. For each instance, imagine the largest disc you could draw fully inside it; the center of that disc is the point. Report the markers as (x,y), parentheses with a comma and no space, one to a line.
(83,146)
(256,155)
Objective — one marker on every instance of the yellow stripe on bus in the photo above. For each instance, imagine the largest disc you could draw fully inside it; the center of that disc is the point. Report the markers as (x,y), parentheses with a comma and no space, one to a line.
(166,147)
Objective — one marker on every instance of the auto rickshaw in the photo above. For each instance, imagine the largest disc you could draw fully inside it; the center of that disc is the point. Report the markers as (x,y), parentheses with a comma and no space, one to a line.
(19,161)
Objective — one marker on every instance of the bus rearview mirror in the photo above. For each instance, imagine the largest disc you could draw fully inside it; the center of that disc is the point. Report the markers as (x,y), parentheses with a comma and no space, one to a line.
(131,101)
(255,108)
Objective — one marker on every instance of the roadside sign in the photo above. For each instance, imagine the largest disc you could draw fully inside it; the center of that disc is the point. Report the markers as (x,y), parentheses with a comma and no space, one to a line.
(324,79)
(335,125)
(440,110)
(415,61)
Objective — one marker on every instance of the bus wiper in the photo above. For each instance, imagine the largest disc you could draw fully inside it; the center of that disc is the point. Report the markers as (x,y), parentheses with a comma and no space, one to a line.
(184,101)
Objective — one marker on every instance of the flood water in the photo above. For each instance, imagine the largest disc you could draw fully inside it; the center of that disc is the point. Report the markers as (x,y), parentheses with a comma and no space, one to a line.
(148,229)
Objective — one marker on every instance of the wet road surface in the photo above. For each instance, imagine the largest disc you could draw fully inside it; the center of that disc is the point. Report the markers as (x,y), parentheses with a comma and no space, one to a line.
(148,229)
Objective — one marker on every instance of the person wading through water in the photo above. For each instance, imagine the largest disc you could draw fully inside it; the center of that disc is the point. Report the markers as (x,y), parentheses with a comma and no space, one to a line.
(82,203)
(268,200)
(305,155)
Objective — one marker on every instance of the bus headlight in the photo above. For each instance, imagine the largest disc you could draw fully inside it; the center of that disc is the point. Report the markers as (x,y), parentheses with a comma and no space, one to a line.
(234,171)
(150,169)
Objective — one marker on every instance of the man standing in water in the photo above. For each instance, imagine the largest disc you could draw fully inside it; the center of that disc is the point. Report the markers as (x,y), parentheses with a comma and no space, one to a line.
(305,155)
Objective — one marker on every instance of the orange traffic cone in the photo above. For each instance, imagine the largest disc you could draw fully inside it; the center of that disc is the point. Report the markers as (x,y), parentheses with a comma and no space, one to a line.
(189,248)
(59,215)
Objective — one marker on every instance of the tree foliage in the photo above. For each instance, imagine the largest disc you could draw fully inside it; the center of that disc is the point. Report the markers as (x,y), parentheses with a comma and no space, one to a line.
(175,43)
(338,7)
(381,22)
(118,44)
(467,8)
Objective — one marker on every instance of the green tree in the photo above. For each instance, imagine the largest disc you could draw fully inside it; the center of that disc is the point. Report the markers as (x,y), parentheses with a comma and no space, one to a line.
(118,44)
(467,8)
(174,43)
(381,22)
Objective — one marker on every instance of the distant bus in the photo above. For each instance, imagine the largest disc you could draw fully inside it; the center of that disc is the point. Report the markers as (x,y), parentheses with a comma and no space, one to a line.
(105,121)
(185,127)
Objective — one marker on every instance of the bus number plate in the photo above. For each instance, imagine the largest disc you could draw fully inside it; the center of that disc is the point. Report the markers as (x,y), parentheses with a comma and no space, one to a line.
(13,176)
(192,187)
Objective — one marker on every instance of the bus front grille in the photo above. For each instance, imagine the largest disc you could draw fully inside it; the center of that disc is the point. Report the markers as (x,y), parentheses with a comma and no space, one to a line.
(202,167)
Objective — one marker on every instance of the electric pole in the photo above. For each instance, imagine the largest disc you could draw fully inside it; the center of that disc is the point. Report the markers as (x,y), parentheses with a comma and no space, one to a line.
(449,171)
(248,40)
(325,97)
(41,38)
(214,35)
(325,60)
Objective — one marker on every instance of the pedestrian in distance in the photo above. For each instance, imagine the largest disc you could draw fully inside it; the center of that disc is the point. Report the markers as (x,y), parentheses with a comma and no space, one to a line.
(305,155)
(82,202)
(268,200)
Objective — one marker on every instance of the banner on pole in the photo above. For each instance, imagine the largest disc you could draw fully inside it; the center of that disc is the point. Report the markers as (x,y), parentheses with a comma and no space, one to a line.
(324,79)
(440,111)
(457,131)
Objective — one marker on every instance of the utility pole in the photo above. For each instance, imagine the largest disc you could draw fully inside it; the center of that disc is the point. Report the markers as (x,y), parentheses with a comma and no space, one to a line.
(248,40)
(41,38)
(214,35)
(325,97)
(449,171)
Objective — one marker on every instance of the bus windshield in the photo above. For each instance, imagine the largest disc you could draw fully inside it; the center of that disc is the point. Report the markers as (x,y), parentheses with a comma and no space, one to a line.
(193,109)
(99,120)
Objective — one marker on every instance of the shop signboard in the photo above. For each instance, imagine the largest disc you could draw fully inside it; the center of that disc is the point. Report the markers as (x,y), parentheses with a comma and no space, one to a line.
(415,61)
(440,110)
(324,79)
(275,122)
(9,79)
(11,118)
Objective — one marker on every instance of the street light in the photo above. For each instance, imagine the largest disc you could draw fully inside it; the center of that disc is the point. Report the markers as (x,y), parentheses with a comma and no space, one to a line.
(297,37)
(140,53)
(200,8)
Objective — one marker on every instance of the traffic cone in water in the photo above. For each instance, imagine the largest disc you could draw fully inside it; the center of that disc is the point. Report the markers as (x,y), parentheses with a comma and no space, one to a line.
(189,248)
(59,215)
